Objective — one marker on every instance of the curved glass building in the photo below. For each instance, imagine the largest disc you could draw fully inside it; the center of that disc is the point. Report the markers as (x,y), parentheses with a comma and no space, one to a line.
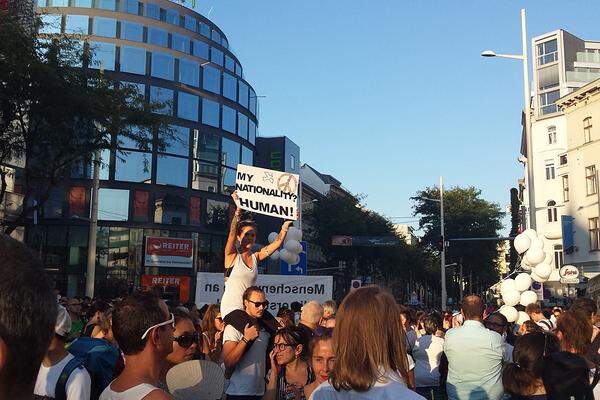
(176,56)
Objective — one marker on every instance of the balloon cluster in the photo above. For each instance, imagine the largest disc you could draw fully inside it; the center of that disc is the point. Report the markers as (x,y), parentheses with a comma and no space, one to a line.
(536,263)
(291,246)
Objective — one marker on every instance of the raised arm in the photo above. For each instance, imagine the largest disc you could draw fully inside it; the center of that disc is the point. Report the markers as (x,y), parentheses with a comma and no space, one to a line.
(230,249)
(270,249)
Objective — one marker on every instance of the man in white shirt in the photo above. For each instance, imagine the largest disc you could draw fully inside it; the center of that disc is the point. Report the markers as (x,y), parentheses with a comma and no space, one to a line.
(535,313)
(474,356)
(76,384)
(245,352)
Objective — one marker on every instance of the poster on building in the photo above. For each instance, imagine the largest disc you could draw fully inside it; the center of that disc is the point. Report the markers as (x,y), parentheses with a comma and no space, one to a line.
(168,284)
(268,192)
(169,252)
(280,290)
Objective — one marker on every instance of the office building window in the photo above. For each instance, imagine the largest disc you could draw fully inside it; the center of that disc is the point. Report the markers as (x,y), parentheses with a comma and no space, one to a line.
(165,171)
(133,166)
(558,256)
(130,6)
(587,130)
(229,63)
(243,94)
(133,60)
(211,79)
(205,30)
(106,27)
(216,36)
(252,102)
(216,56)
(51,23)
(205,176)
(206,146)
(551,135)
(189,23)
(103,55)
(201,49)
(251,131)
(163,66)
(591,182)
(230,86)
(180,43)
(210,113)
(110,5)
(247,156)
(550,172)
(565,187)
(189,72)
(113,204)
(162,97)
(547,52)
(77,24)
(83,3)
(552,211)
(292,162)
(153,11)
(187,106)
(242,126)
(132,31)
(230,153)
(594,234)
(172,17)
(547,101)
(228,119)
(178,142)
(157,36)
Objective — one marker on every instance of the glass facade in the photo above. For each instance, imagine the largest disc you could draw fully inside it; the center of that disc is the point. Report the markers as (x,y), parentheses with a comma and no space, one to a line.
(177,58)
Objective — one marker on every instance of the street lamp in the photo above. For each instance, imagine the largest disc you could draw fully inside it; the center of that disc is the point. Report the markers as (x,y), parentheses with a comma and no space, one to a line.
(527,110)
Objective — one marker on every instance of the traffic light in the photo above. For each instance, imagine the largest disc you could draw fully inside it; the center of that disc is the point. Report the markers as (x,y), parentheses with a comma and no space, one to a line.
(439,244)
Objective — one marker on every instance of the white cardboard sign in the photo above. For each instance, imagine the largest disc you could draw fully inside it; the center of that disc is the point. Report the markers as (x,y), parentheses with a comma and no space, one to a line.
(268,192)
(280,290)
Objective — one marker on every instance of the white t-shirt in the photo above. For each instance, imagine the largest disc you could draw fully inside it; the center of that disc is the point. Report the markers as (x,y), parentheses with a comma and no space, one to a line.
(248,378)
(427,354)
(137,392)
(545,324)
(78,385)
(393,388)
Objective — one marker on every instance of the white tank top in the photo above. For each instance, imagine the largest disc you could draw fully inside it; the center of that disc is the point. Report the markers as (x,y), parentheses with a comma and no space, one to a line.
(241,278)
(135,393)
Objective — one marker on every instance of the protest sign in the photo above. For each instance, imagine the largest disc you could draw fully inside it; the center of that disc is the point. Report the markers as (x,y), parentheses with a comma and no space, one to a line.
(280,290)
(267,191)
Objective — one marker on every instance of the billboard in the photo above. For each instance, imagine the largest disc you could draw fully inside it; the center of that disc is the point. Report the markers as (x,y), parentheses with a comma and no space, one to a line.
(169,252)
(280,290)
(179,283)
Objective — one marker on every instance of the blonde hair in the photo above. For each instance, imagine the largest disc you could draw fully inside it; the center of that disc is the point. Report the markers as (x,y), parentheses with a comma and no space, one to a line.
(368,337)
(330,306)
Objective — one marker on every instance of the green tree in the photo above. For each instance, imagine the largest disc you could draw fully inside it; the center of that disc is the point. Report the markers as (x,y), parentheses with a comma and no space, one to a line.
(398,268)
(466,215)
(56,111)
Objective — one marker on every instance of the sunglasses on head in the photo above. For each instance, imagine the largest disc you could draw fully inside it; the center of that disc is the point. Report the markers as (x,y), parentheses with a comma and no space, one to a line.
(264,304)
(187,339)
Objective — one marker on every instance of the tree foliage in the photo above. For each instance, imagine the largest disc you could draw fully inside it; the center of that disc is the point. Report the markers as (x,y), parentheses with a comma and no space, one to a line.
(57,108)
(399,267)
(466,215)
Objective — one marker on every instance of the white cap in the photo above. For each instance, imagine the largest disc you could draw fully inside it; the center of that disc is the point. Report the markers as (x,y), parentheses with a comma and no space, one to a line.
(63,322)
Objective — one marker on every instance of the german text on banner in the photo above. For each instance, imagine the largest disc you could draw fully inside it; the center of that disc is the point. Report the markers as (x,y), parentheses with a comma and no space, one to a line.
(266,191)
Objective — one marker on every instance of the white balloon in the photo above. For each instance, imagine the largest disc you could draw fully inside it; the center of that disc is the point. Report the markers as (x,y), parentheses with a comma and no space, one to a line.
(537,242)
(272,237)
(537,278)
(523,281)
(296,260)
(287,256)
(531,233)
(528,297)
(275,256)
(292,245)
(294,233)
(522,243)
(525,266)
(549,258)
(522,317)
(511,298)
(510,313)
(534,256)
(543,270)
(508,285)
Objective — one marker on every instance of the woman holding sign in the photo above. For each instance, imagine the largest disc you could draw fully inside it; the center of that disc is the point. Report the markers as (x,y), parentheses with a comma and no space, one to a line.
(241,263)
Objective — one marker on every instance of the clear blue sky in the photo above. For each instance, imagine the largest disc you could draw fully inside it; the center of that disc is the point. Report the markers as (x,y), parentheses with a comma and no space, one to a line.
(388,95)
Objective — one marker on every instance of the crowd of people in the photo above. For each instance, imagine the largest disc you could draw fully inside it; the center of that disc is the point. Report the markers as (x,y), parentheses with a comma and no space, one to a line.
(371,347)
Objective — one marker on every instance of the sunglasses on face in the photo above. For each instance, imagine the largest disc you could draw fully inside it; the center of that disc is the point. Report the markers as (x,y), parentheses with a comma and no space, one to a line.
(282,346)
(257,304)
(187,339)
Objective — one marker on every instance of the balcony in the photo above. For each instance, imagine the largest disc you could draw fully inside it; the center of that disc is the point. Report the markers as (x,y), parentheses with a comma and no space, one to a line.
(584,77)
(588,57)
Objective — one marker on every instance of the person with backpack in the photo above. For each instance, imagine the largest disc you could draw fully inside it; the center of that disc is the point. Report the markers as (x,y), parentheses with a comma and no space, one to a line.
(62,376)
(535,313)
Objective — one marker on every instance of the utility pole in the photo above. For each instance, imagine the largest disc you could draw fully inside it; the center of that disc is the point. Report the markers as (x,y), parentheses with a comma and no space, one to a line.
(91,260)
(443,255)
(461,279)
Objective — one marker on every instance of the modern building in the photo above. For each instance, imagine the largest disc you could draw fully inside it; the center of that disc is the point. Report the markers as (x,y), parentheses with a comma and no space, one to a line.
(562,63)
(407,233)
(581,226)
(178,57)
